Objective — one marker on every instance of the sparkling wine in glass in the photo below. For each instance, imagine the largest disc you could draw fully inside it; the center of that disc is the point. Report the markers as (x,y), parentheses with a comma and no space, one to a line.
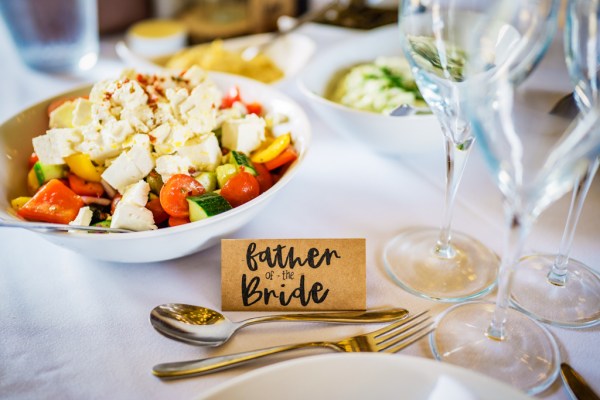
(442,264)
(535,158)
(555,288)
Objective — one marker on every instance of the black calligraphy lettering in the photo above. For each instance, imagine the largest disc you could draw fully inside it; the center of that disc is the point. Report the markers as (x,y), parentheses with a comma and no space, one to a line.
(249,290)
(250,261)
(278,257)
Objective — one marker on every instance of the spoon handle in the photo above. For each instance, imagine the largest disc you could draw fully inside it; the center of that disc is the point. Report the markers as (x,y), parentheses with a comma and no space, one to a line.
(344,317)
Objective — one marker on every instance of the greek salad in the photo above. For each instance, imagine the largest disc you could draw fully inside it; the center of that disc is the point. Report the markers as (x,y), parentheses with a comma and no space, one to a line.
(144,152)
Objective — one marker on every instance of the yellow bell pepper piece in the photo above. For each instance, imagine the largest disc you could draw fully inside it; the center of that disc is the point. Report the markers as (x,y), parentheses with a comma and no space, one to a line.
(273,150)
(81,165)
(32,181)
(19,202)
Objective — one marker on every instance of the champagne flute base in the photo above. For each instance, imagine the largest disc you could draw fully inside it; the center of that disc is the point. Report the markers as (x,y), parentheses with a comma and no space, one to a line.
(412,262)
(573,305)
(526,358)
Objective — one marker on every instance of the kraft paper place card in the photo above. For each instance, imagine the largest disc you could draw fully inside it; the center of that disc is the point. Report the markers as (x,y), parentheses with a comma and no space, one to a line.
(293,274)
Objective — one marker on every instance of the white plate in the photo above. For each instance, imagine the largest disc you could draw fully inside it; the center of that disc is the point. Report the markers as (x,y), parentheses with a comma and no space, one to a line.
(361,376)
(290,52)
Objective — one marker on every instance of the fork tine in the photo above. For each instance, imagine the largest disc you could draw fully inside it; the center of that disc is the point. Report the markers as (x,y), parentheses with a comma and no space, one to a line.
(409,339)
(394,325)
(397,330)
(402,336)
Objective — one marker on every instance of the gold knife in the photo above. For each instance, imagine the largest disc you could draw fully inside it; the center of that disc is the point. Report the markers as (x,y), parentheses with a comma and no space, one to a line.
(577,387)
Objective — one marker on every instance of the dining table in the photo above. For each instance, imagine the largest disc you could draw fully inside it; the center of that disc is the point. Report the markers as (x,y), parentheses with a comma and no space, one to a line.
(73,327)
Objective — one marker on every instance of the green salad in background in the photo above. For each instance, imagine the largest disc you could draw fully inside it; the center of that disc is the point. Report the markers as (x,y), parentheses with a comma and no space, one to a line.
(379,86)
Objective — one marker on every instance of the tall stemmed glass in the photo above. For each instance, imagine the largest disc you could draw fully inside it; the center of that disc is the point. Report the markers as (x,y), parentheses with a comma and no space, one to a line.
(437,263)
(556,288)
(535,160)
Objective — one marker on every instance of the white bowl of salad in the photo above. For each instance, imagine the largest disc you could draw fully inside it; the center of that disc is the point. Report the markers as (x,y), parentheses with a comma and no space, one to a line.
(179,160)
(354,85)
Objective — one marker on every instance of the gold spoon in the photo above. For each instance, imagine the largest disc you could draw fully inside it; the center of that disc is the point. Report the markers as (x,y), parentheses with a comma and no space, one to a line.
(205,327)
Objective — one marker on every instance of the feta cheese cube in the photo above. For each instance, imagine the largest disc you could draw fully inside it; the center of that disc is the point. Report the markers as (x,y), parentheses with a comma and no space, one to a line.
(204,153)
(93,144)
(56,144)
(195,75)
(161,133)
(131,216)
(243,135)
(116,132)
(122,172)
(84,217)
(136,194)
(169,165)
(82,114)
(142,158)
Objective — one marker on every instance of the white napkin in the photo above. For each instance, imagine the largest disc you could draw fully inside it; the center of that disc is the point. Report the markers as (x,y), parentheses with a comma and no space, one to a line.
(447,388)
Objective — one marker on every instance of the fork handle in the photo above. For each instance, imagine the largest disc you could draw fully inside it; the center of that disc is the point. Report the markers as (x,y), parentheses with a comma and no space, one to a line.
(203,366)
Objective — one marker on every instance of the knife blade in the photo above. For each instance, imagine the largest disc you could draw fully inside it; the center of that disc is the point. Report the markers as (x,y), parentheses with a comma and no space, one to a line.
(577,387)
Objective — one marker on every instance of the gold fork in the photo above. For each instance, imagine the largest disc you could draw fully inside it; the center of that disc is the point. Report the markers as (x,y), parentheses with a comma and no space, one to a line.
(389,339)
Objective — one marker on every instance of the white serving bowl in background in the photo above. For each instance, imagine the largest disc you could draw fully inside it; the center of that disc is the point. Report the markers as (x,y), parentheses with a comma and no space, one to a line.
(290,53)
(162,244)
(383,133)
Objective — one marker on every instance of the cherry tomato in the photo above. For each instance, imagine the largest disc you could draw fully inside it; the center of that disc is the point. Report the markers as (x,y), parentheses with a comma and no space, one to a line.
(176,221)
(158,213)
(174,193)
(231,97)
(254,108)
(240,189)
(264,177)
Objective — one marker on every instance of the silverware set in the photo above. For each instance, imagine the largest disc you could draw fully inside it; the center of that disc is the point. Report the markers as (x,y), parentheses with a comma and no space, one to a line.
(205,327)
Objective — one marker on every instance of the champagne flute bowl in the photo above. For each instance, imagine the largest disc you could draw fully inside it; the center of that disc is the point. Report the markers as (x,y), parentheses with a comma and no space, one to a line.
(555,288)
(535,158)
(439,264)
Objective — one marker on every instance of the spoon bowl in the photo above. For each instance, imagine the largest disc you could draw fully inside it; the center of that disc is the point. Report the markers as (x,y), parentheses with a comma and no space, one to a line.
(202,326)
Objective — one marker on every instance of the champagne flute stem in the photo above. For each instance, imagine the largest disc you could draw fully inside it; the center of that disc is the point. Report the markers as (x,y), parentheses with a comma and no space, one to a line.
(519,226)
(456,159)
(558,272)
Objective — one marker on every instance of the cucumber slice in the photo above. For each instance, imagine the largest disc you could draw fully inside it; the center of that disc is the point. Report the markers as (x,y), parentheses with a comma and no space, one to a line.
(45,172)
(104,224)
(241,160)
(224,172)
(207,205)
(208,180)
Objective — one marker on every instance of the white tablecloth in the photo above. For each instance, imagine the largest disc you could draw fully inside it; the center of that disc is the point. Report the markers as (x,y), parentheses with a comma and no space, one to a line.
(72,327)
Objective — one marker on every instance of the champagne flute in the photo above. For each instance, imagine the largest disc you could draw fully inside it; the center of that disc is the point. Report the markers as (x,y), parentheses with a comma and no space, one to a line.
(535,159)
(435,263)
(557,289)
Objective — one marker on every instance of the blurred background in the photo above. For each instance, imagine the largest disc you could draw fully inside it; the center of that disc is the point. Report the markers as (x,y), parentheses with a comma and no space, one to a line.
(211,19)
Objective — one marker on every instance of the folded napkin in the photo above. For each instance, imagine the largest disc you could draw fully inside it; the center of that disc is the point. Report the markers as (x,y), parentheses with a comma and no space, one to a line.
(447,388)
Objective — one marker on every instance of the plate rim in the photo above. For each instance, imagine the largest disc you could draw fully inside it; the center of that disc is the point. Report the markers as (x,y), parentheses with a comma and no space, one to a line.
(441,369)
